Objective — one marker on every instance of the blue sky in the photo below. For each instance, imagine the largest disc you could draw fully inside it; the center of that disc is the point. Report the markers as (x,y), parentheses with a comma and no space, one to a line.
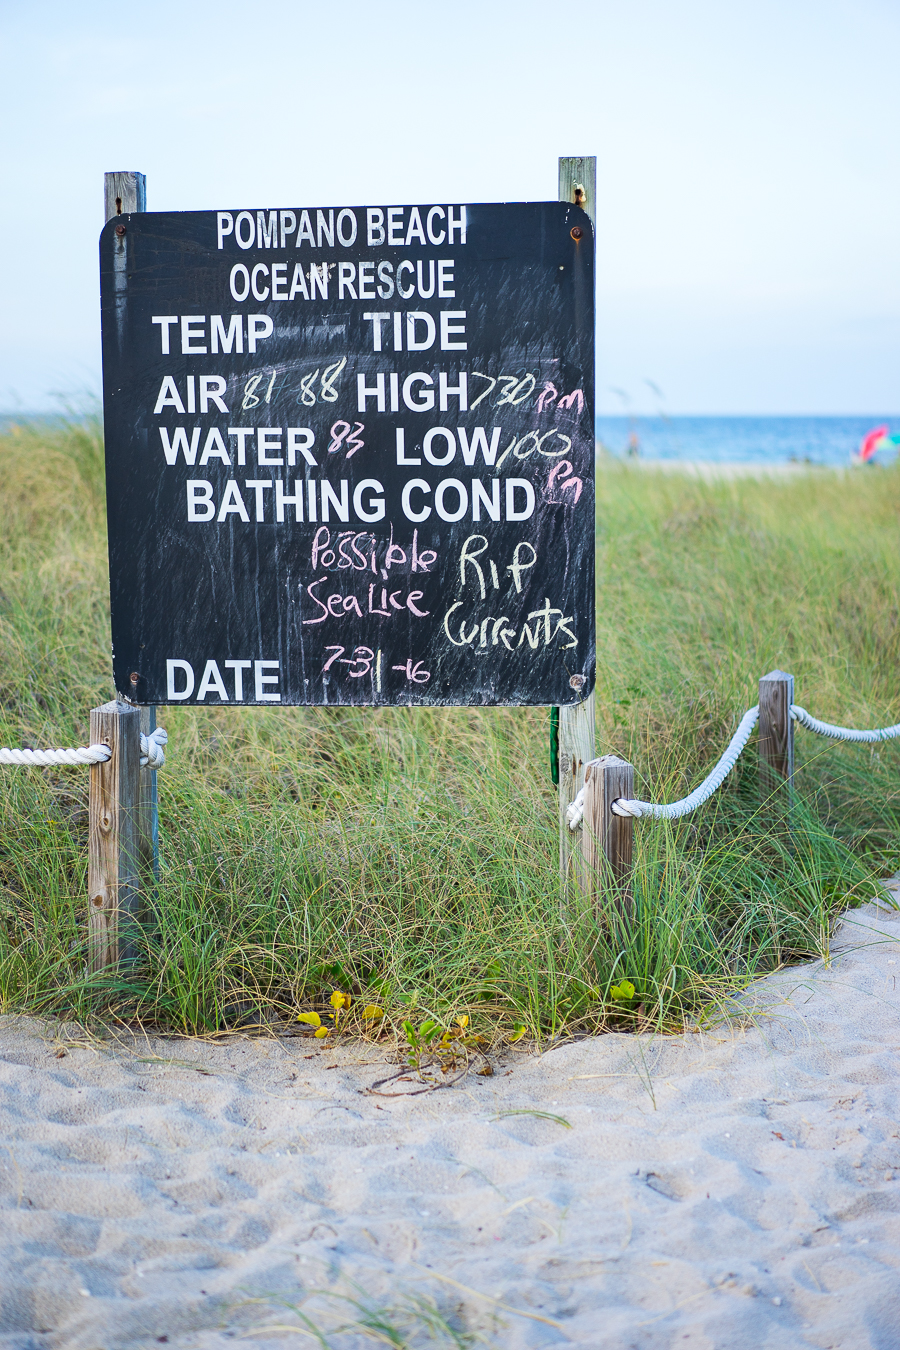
(749,184)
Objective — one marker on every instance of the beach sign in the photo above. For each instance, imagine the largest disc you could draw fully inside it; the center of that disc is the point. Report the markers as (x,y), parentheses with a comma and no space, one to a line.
(350,454)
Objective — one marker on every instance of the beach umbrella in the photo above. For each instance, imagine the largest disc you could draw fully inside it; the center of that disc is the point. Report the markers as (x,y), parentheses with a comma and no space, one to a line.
(870,443)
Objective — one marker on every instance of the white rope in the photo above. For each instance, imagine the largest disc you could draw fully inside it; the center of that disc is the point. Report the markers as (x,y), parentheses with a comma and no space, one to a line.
(152,754)
(575,811)
(88,754)
(841,733)
(672,810)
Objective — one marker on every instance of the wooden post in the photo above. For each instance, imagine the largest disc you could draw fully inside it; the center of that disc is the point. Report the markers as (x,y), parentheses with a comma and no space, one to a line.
(576,751)
(114,842)
(577,184)
(148,811)
(123,844)
(123,193)
(776,731)
(607,840)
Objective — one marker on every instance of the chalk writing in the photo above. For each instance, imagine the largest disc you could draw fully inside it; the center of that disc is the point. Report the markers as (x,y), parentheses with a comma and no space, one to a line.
(362,656)
(340,432)
(363,551)
(551,621)
(328,388)
(562,479)
(476,545)
(524,446)
(414,672)
(251,399)
(341,606)
(518,390)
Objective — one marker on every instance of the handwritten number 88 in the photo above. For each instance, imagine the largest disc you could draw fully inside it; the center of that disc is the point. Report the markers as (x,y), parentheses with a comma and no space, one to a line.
(327,392)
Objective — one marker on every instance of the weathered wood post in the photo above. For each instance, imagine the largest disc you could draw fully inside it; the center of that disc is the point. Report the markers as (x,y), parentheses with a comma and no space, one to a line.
(123,853)
(607,840)
(776,731)
(577,184)
(114,843)
(123,193)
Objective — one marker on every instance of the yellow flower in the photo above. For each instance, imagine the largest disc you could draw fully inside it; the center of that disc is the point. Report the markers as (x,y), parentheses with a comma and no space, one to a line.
(311,1019)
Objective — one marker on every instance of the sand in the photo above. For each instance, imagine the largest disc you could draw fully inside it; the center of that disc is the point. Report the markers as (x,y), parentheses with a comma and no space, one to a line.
(735,1187)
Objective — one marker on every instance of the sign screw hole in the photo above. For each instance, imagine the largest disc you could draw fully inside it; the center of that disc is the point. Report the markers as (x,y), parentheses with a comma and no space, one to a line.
(576,232)
(120,230)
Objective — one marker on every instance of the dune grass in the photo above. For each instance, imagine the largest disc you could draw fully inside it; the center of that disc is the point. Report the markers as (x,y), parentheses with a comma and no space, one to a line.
(407,1322)
(409,856)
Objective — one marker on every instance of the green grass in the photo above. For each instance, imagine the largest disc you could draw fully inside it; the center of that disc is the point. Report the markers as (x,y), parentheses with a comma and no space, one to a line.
(409,856)
(406,1323)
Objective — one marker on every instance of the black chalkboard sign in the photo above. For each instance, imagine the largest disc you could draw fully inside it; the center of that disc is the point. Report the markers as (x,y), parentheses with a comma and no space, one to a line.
(350,454)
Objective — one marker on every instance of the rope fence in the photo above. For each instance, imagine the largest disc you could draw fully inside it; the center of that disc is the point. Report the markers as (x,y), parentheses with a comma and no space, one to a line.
(637,809)
(123,831)
(672,810)
(605,808)
(842,733)
(152,754)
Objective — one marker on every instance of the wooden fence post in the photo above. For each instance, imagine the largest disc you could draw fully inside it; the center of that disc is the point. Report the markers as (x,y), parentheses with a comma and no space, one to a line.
(577,184)
(576,751)
(114,844)
(776,731)
(124,831)
(607,840)
(148,810)
(123,193)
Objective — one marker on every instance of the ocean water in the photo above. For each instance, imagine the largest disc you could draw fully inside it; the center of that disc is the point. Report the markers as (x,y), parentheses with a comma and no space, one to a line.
(725,440)
(745,440)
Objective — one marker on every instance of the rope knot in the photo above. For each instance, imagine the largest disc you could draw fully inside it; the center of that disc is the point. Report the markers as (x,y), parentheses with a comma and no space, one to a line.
(152,753)
(575,811)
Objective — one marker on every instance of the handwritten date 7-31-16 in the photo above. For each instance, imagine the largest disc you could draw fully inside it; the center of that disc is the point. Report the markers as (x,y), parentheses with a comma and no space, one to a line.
(363,657)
